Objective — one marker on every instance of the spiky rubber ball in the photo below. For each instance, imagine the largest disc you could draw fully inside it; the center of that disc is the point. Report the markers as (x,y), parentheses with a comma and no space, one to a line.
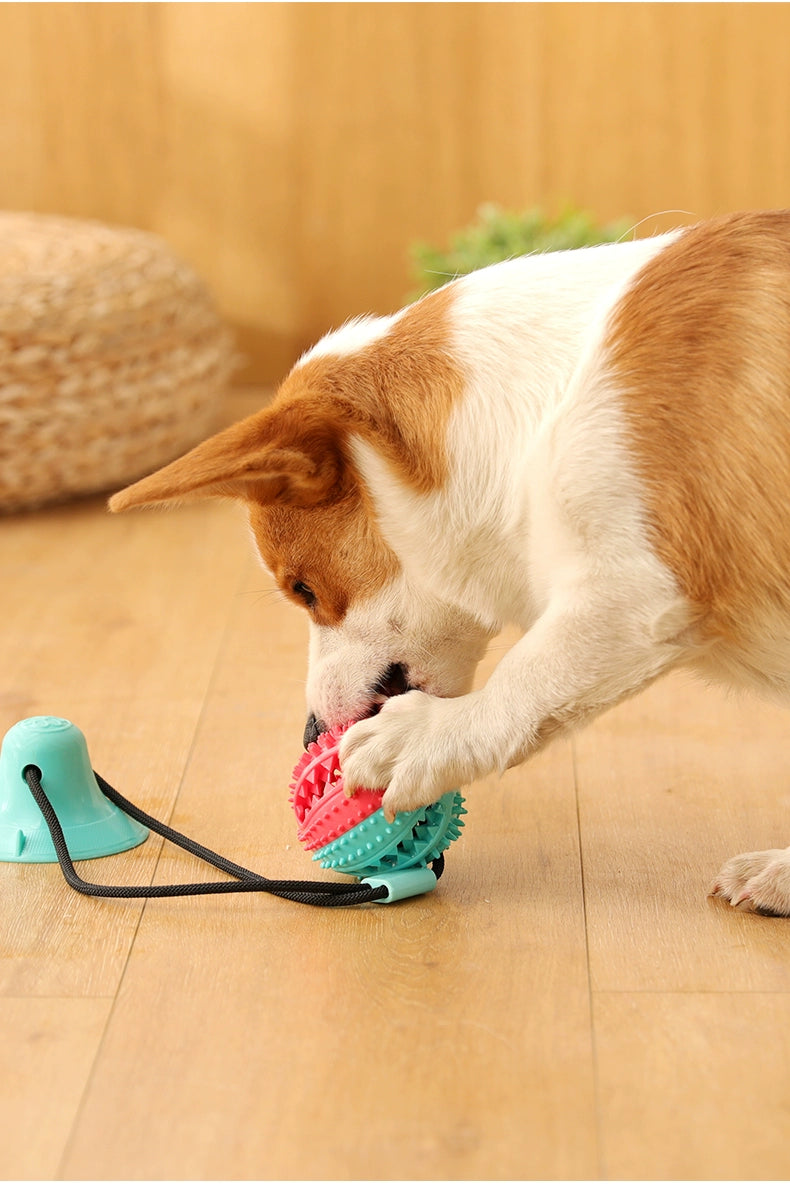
(351,834)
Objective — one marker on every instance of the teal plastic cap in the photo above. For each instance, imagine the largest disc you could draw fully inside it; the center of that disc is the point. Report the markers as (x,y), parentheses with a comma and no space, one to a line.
(403,883)
(92,825)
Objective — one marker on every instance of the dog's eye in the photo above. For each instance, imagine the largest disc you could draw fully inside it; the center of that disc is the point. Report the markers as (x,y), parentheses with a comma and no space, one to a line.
(304,593)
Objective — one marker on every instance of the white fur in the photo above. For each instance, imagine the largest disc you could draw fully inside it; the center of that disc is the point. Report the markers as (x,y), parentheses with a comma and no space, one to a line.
(540,523)
(757,881)
(354,335)
(520,329)
(558,546)
(400,624)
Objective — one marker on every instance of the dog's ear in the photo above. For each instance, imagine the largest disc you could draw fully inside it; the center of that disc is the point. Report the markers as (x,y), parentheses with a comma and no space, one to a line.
(281,454)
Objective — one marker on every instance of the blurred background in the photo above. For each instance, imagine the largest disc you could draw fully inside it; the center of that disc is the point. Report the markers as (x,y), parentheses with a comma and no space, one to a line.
(294,153)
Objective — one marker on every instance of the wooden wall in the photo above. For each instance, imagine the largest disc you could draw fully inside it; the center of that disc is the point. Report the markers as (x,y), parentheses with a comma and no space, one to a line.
(293,152)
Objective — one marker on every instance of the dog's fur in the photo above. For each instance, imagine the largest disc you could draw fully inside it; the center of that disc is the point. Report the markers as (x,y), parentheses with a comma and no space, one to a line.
(593,445)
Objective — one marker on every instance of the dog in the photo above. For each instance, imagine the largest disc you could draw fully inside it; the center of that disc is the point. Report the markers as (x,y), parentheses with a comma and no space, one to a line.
(593,445)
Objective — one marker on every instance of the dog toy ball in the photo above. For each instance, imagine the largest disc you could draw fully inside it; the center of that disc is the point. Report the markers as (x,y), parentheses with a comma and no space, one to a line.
(351,834)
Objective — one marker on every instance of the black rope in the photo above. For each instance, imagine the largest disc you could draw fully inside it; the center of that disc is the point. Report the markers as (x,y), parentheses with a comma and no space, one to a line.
(310,893)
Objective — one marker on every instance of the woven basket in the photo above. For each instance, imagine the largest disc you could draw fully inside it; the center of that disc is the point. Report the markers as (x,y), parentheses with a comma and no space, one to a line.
(112,358)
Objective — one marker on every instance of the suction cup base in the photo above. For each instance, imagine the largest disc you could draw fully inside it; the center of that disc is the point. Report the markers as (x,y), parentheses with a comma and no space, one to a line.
(92,825)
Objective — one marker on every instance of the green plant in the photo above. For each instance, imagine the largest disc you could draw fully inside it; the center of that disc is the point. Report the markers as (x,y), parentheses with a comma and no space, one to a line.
(498,234)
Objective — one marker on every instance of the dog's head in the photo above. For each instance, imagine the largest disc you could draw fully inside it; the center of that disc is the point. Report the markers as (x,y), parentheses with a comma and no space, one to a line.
(377,628)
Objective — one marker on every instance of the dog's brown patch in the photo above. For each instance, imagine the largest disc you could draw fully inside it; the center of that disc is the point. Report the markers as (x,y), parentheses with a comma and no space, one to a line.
(700,349)
(334,550)
(291,463)
(397,393)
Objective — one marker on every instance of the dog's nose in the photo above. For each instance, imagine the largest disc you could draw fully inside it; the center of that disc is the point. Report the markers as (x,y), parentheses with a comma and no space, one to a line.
(313,729)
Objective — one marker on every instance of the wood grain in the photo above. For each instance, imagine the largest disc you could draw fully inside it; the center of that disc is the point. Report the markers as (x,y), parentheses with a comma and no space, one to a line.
(670,786)
(47,1048)
(384,1028)
(99,629)
(567,1005)
(694,1085)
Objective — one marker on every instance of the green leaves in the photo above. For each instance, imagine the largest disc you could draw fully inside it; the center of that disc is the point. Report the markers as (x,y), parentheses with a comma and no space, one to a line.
(498,234)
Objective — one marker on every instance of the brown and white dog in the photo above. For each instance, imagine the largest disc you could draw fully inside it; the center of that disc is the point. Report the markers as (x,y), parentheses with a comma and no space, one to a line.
(593,445)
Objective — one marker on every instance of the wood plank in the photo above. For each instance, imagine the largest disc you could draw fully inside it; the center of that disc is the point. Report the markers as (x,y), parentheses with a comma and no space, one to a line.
(694,1085)
(671,785)
(47,1048)
(114,623)
(444,1037)
(457,1027)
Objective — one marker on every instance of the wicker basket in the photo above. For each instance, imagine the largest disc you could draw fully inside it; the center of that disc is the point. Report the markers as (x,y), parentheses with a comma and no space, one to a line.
(112,358)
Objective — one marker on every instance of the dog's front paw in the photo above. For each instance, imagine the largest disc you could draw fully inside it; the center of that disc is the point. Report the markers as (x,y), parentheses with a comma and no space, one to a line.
(418,747)
(758,881)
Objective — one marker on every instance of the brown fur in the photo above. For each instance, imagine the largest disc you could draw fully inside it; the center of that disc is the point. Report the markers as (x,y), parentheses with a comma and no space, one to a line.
(700,349)
(333,549)
(293,457)
(396,393)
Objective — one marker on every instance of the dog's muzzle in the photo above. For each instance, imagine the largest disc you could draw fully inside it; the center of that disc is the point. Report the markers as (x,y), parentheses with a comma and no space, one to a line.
(393,682)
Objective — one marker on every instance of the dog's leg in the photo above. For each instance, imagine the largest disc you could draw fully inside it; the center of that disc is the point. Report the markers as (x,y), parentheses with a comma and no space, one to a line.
(584,654)
(757,881)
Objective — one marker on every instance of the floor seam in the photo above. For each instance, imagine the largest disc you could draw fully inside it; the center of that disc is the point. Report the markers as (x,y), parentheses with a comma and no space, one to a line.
(590,1001)
(210,684)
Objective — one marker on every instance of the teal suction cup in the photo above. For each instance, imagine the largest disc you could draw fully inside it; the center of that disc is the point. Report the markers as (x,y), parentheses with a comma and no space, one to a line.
(92,825)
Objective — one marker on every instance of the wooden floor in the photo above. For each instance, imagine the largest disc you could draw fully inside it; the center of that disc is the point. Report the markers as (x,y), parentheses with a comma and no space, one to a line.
(568,1004)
